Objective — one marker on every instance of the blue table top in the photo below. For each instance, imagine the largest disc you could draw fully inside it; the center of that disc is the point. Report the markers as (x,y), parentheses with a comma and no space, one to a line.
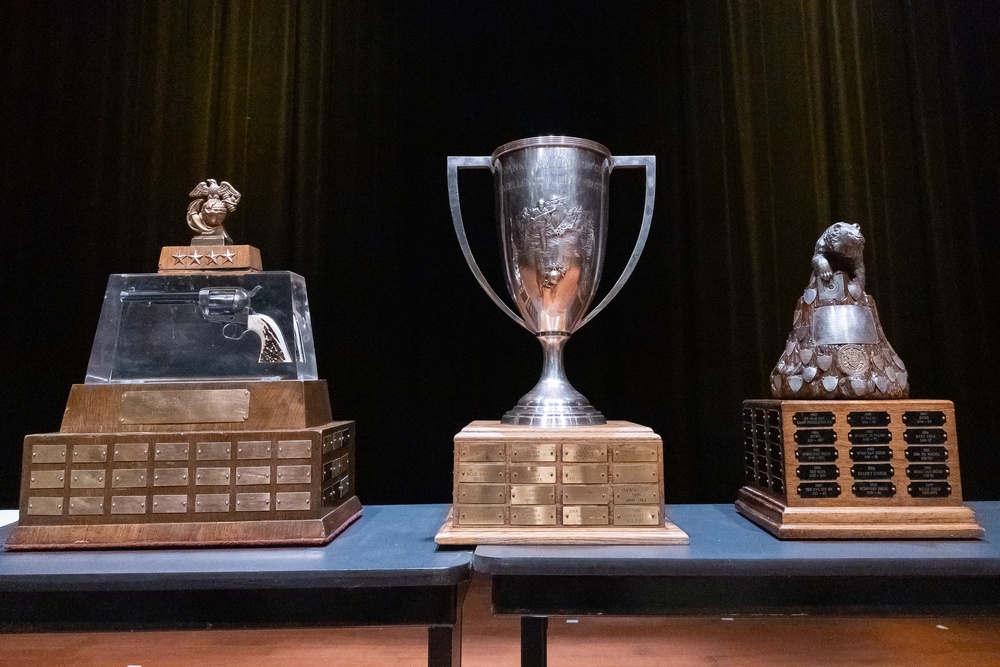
(724,543)
(390,545)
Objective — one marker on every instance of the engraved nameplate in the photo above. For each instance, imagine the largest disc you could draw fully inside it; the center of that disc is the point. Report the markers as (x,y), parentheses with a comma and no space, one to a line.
(586,515)
(926,454)
(873,489)
(940,489)
(585,494)
(187,406)
(211,502)
(533,515)
(170,477)
(924,418)
(532,474)
(869,436)
(836,325)
(253,475)
(481,452)
(815,436)
(819,490)
(86,505)
(128,478)
(482,494)
(480,515)
(292,500)
(637,494)
(815,472)
(873,453)
(47,479)
(253,449)
(582,452)
(90,453)
(294,449)
(636,473)
(813,419)
(171,451)
(634,452)
(533,452)
(584,473)
(41,506)
(86,479)
(335,468)
(294,474)
(131,451)
(925,436)
(871,471)
(174,504)
(816,454)
(213,451)
(868,418)
(211,476)
(481,472)
(532,494)
(48,453)
(253,502)
(636,515)
(927,471)
(128,504)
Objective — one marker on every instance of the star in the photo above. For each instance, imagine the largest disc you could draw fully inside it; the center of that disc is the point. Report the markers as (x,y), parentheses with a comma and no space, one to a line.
(228,255)
(179,258)
(196,257)
(213,258)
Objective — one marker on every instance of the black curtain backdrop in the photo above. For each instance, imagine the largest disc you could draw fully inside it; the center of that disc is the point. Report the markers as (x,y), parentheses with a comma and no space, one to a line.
(770,120)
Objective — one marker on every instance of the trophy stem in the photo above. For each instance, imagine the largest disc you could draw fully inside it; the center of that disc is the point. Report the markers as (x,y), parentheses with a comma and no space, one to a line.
(553,402)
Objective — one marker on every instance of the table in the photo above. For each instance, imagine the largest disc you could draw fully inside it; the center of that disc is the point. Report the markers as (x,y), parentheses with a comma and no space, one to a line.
(733,567)
(382,570)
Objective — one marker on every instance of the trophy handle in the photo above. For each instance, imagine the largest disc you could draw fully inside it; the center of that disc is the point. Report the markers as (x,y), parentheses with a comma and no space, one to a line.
(454,164)
(628,162)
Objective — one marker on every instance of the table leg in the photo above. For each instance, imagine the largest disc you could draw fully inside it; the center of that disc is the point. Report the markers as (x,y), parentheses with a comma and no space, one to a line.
(534,635)
(444,645)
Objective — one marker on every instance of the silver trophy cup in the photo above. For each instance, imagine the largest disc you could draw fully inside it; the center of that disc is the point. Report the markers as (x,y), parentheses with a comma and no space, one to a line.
(552,207)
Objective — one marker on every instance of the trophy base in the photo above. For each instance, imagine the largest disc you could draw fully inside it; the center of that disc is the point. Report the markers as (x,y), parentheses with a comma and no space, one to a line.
(829,469)
(575,485)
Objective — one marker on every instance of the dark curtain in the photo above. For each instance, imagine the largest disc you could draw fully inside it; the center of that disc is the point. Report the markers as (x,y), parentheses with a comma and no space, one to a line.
(770,121)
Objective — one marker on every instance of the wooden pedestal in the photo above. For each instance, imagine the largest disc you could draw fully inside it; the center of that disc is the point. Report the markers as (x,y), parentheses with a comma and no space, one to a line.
(189,464)
(576,485)
(854,470)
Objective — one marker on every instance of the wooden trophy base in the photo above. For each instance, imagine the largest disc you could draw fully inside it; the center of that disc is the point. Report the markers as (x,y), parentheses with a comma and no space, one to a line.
(854,470)
(574,485)
(189,465)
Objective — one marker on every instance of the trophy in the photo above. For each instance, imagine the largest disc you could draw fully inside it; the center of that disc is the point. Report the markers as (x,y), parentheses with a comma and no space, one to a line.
(553,469)
(201,421)
(840,452)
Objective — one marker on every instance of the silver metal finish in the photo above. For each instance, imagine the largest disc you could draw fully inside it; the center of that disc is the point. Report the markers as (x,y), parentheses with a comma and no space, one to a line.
(835,325)
(205,215)
(552,207)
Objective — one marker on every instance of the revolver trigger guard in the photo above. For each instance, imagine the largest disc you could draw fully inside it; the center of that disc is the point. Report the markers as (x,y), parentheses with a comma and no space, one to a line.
(233,331)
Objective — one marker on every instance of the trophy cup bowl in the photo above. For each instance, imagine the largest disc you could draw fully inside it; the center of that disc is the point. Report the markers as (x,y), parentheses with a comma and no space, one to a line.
(552,216)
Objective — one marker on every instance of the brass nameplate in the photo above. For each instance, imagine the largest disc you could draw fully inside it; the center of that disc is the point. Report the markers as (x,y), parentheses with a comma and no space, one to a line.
(480,515)
(211,476)
(253,502)
(211,502)
(585,494)
(636,473)
(41,506)
(188,406)
(86,479)
(292,500)
(586,515)
(253,449)
(48,454)
(532,474)
(635,515)
(481,472)
(532,452)
(131,451)
(170,477)
(482,494)
(294,474)
(253,475)
(47,479)
(582,452)
(169,504)
(90,453)
(128,504)
(481,452)
(532,494)
(213,451)
(171,451)
(533,515)
(633,452)
(294,449)
(637,494)
(128,478)
(585,473)
(86,505)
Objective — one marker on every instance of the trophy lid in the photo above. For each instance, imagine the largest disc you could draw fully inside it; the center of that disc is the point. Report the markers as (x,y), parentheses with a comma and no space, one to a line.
(551,140)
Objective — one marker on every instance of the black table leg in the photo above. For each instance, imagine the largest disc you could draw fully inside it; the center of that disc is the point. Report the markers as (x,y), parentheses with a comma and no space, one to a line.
(444,646)
(534,635)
